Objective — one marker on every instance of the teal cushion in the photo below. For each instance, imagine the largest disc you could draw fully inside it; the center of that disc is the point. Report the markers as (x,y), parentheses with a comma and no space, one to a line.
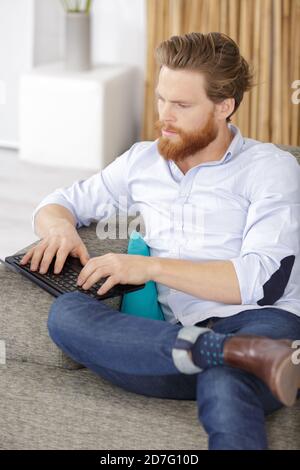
(143,302)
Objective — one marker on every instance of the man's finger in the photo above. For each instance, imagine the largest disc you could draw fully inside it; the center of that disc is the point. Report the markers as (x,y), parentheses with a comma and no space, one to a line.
(87,271)
(48,256)
(36,258)
(108,284)
(27,256)
(84,256)
(93,279)
(61,257)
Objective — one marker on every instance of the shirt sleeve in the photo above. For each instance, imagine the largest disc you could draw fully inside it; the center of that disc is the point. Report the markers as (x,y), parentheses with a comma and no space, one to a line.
(97,197)
(271,237)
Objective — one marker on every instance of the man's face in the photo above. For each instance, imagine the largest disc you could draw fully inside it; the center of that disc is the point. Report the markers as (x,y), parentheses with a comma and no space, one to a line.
(183,108)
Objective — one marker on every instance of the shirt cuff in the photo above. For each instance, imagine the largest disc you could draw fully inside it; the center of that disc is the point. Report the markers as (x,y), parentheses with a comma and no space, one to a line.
(248,273)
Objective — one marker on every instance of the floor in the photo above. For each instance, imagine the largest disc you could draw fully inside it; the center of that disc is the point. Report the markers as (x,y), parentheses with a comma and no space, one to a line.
(22,186)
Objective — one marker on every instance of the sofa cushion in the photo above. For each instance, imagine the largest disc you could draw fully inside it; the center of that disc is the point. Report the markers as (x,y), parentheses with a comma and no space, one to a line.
(293,150)
(45,407)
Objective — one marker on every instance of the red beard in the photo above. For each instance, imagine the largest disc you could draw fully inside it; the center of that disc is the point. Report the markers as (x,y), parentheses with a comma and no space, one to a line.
(185,144)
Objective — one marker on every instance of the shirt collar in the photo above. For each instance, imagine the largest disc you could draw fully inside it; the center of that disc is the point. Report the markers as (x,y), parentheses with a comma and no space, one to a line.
(235,145)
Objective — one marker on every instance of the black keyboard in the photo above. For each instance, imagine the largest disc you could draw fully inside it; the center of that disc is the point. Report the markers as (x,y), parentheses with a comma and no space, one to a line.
(66,280)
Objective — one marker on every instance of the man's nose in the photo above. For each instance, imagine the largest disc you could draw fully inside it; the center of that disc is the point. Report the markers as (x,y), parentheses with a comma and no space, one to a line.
(167,114)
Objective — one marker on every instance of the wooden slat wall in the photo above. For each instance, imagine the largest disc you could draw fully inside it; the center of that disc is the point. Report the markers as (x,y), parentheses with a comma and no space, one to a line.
(268,33)
(295,65)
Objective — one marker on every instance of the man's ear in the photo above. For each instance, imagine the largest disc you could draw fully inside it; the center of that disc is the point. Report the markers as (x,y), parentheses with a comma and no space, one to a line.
(225,108)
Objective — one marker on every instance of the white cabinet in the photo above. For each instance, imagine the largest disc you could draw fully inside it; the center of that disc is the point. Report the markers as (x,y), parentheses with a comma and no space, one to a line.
(82,119)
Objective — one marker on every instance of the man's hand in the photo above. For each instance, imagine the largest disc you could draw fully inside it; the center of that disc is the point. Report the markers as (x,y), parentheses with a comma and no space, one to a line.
(62,240)
(119,268)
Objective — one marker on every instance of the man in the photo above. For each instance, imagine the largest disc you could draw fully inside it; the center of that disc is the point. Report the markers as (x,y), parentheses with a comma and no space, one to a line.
(221,215)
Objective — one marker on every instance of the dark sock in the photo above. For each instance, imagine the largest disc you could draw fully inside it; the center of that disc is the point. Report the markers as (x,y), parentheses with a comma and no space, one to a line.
(207,351)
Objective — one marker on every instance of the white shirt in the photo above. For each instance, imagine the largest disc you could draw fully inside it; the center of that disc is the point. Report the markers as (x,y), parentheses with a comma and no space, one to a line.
(244,207)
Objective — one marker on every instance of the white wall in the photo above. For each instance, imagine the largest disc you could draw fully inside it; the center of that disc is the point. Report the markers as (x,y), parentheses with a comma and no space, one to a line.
(16,55)
(32,33)
(119,36)
(48,31)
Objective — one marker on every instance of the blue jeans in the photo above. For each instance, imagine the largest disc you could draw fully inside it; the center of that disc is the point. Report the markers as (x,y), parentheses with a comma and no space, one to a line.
(135,353)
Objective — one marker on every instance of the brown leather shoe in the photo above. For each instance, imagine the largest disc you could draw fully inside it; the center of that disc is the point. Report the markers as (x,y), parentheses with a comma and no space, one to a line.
(268,359)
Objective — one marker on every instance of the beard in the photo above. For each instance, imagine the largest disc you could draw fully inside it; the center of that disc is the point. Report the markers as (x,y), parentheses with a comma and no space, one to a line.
(185,144)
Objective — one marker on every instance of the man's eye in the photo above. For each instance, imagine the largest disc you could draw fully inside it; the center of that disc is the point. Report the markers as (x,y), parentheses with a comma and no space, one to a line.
(178,104)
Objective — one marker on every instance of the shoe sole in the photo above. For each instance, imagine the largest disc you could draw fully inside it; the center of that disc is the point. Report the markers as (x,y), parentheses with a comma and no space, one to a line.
(287,381)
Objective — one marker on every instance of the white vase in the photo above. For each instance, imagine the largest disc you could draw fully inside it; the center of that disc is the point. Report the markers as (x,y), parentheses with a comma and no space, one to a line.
(77,41)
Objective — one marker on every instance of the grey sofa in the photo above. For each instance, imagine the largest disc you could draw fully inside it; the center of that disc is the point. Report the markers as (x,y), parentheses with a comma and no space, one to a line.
(50,402)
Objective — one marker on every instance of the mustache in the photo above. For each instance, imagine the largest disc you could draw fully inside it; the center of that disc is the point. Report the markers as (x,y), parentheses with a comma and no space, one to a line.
(161,126)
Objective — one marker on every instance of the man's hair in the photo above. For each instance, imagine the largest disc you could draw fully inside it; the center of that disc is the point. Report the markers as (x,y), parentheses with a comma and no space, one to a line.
(217,56)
